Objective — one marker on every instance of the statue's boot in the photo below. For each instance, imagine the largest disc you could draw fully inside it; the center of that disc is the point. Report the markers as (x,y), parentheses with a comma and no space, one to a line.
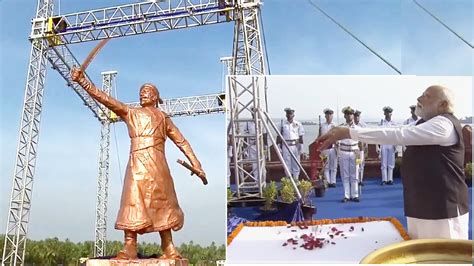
(167,246)
(129,251)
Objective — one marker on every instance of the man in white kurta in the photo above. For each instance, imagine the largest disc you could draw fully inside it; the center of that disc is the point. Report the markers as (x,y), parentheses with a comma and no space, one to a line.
(348,151)
(330,170)
(440,130)
(387,152)
(292,132)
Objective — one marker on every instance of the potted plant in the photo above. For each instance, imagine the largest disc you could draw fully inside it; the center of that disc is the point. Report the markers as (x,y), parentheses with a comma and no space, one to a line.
(305,187)
(321,184)
(230,195)
(287,191)
(308,209)
(468,174)
(269,194)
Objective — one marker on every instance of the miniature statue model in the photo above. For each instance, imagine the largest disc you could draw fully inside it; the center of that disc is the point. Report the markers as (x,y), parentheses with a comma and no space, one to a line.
(149,202)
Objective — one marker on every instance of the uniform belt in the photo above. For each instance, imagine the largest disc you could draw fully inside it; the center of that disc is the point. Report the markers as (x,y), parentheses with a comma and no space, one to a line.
(291,142)
(349,150)
(349,145)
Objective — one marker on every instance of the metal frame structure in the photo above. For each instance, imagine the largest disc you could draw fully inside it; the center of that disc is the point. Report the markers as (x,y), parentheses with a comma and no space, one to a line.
(192,105)
(247,59)
(50,36)
(247,101)
(20,202)
(108,79)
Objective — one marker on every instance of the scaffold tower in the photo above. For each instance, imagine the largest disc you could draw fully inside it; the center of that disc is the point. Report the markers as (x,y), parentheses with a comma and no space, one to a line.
(108,80)
(50,36)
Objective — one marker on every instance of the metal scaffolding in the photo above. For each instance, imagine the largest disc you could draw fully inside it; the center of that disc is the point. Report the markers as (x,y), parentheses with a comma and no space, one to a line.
(142,17)
(245,101)
(246,131)
(49,38)
(108,79)
(20,202)
(192,105)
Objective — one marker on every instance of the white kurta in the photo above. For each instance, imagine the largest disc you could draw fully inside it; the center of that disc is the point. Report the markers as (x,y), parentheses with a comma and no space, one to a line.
(436,131)
(410,122)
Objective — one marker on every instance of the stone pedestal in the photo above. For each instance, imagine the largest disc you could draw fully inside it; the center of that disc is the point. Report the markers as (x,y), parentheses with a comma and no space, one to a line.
(138,262)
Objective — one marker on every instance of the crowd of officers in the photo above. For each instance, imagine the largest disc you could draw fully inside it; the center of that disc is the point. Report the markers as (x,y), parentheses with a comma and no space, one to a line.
(348,154)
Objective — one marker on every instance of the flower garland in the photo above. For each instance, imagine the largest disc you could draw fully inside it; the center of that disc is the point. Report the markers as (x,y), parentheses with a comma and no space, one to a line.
(359,219)
(234,233)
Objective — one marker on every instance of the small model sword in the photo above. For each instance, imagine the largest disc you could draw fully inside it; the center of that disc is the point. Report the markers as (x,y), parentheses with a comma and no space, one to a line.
(193,170)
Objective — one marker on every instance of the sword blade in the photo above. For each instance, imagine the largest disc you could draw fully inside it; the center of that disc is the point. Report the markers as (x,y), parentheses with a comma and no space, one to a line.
(92,54)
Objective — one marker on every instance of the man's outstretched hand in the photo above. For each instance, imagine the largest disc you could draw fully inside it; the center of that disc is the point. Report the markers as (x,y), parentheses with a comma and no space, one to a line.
(325,141)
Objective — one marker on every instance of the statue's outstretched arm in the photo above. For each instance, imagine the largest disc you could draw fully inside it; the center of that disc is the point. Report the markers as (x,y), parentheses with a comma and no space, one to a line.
(113,104)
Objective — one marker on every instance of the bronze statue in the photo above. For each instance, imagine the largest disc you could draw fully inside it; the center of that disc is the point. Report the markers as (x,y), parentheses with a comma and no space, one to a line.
(149,202)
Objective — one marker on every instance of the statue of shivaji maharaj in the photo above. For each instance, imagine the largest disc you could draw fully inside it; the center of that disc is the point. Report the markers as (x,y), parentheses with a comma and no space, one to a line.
(149,202)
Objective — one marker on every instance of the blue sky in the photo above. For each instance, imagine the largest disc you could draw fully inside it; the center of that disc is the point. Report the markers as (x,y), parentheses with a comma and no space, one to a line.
(300,41)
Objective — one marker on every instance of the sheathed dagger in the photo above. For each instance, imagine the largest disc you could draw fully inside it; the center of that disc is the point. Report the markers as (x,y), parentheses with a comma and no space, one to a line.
(193,170)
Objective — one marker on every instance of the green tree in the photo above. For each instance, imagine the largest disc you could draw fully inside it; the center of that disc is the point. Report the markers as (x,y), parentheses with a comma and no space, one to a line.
(52,251)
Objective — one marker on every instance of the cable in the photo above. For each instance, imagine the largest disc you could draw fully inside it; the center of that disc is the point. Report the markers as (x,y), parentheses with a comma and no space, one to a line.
(115,137)
(268,61)
(446,26)
(353,36)
(265,44)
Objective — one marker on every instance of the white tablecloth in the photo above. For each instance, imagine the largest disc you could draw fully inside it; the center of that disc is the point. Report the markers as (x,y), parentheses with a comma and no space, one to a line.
(265,244)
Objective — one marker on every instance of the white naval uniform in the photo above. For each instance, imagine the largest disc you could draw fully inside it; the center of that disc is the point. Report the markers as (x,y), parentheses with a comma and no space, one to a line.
(410,121)
(291,133)
(436,131)
(330,170)
(387,156)
(360,173)
(348,153)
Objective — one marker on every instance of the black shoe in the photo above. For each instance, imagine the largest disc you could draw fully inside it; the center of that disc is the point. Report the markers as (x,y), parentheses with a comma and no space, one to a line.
(361,184)
(332,185)
(344,200)
(390,183)
(383,183)
(356,199)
